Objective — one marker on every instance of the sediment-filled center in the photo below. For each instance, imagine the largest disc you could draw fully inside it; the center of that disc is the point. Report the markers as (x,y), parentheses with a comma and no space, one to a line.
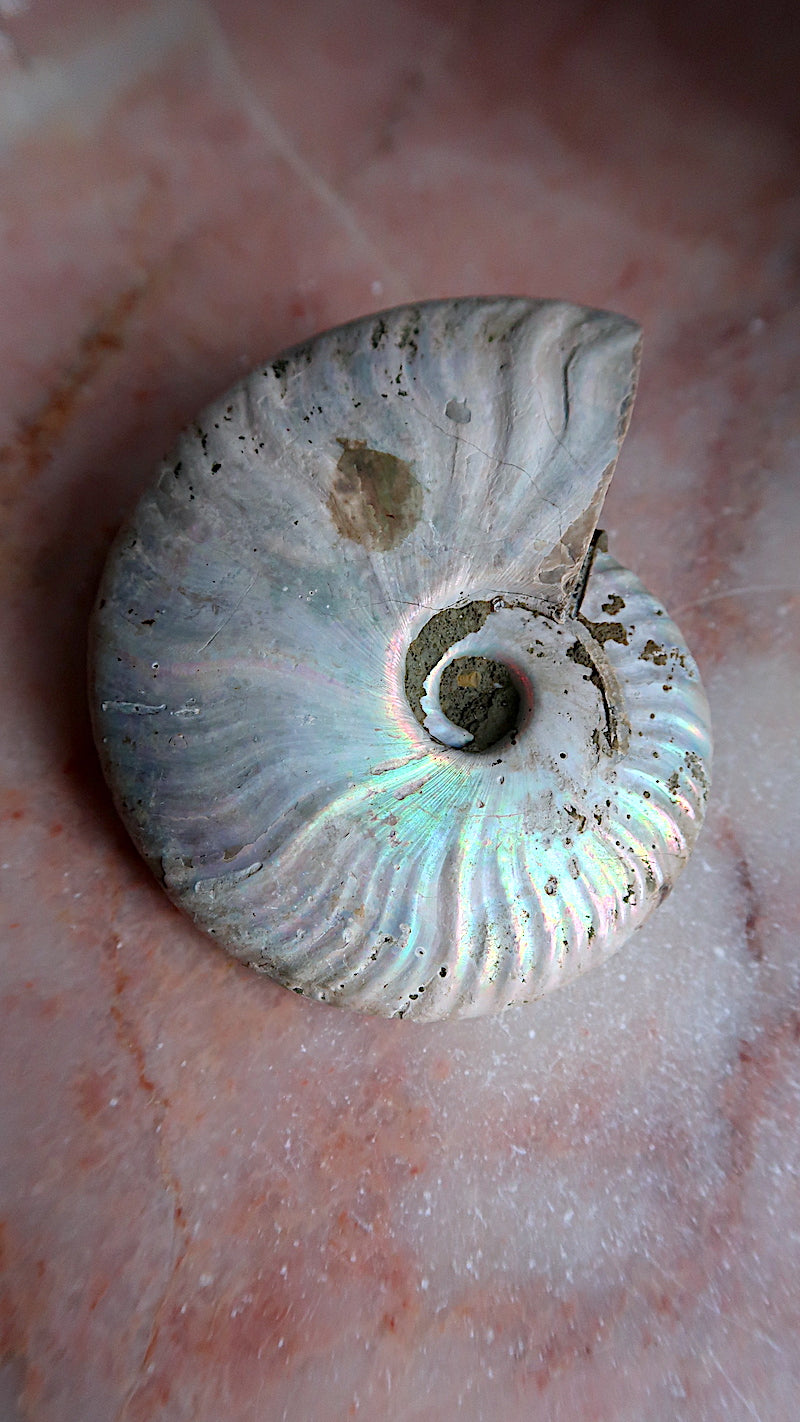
(480,696)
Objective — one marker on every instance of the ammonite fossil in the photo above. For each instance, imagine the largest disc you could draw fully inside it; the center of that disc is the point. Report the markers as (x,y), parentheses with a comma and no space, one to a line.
(375,703)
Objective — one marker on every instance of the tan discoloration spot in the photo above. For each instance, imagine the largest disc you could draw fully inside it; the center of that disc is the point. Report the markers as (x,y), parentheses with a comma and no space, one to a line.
(375,499)
(469,679)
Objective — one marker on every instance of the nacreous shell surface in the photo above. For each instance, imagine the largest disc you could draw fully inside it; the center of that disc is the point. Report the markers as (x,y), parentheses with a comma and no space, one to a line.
(275,622)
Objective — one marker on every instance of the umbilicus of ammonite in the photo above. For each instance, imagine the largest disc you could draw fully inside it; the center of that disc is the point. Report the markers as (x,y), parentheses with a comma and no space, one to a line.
(375,702)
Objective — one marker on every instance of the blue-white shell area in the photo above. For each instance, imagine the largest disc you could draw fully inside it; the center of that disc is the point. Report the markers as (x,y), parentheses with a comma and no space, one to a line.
(249,657)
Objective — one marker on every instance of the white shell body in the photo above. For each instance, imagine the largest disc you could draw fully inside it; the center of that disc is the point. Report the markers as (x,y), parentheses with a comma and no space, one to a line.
(253,695)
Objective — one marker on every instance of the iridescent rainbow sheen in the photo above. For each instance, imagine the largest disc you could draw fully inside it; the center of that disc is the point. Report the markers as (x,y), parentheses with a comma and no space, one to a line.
(248,672)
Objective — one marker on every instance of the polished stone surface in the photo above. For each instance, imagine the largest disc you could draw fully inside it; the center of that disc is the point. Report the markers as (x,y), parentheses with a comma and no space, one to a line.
(218,1200)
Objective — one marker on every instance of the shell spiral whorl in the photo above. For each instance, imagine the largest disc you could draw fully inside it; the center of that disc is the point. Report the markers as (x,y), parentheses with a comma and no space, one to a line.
(394,522)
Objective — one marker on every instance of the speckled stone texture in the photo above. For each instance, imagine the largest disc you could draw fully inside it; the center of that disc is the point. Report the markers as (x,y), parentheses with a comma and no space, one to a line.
(218,1200)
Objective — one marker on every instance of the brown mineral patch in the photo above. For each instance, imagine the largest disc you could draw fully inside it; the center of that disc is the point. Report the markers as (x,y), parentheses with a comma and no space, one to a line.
(653,653)
(606,631)
(375,499)
(577,653)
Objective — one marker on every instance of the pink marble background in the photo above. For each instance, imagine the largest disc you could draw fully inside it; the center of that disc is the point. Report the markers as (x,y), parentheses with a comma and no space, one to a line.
(219,1201)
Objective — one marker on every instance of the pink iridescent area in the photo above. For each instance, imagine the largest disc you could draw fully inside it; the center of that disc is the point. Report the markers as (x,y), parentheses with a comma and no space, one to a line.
(218,1200)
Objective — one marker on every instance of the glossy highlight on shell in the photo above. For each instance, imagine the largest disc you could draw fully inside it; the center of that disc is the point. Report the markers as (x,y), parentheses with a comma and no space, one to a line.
(375,702)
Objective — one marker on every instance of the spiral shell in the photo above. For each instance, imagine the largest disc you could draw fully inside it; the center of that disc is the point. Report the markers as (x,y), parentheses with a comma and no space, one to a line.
(406,503)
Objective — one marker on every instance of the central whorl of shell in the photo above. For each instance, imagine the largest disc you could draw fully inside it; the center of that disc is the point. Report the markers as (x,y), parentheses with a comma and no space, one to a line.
(412,493)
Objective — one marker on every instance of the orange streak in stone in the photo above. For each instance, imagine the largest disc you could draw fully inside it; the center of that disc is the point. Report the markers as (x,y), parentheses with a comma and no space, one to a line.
(32,447)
